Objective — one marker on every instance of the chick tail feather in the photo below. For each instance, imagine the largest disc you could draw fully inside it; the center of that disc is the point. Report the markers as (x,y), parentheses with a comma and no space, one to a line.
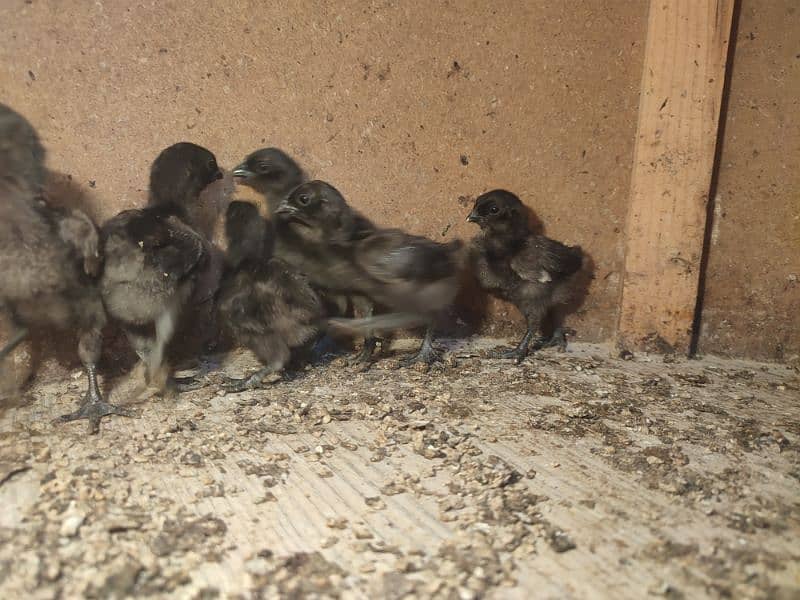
(376,323)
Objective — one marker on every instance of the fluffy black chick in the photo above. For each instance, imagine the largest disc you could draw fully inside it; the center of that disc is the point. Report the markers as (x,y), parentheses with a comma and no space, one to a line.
(511,262)
(321,235)
(273,173)
(49,260)
(154,255)
(268,307)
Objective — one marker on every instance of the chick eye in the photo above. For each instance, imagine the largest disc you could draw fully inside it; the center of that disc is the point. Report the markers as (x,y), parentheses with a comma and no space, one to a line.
(212,165)
(303,199)
(264,166)
(494,210)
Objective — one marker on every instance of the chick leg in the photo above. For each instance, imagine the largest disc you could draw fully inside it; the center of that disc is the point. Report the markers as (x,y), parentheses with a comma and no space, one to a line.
(533,320)
(165,329)
(520,351)
(234,385)
(325,345)
(557,340)
(94,407)
(273,354)
(366,353)
(8,388)
(151,350)
(186,384)
(366,308)
(212,341)
(141,345)
(20,333)
(427,353)
(157,368)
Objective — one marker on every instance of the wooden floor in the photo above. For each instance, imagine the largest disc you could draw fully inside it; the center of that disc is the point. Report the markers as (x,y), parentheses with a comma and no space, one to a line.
(570,476)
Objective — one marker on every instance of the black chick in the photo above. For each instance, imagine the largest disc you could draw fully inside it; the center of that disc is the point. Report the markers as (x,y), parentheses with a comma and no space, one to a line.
(49,260)
(154,255)
(274,174)
(511,262)
(340,250)
(268,307)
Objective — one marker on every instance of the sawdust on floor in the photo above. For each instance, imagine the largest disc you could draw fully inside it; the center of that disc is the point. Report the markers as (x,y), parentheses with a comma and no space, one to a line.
(569,476)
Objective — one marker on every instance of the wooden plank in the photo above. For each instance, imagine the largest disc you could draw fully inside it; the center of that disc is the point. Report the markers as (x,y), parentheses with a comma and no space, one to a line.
(647,516)
(682,86)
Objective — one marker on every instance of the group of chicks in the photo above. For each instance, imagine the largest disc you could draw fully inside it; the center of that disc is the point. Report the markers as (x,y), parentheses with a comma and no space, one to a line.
(288,280)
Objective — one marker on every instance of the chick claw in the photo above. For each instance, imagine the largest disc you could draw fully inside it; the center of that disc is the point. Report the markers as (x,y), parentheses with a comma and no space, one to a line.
(518,353)
(94,411)
(428,356)
(364,356)
(558,340)
(235,386)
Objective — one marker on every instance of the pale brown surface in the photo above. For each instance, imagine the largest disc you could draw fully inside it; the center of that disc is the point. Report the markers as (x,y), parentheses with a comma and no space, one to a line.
(752,300)
(672,479)
(367,95)
(684,71)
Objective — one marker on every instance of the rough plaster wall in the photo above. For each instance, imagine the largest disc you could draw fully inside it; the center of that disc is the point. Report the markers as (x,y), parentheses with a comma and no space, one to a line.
(752,298)
(410,108)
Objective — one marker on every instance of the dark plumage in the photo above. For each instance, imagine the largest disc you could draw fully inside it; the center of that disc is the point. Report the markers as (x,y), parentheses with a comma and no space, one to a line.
(269,307)
(274,174)
(271,172)
(340,250)
(154,255)
(511,262)
(49,259)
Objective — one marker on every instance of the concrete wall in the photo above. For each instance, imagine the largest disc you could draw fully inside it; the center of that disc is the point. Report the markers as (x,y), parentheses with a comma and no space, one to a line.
(752,300)
(412,109)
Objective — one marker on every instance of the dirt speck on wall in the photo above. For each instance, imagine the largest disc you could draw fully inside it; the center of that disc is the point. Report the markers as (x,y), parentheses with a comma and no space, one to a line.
(752,292)
(411,108)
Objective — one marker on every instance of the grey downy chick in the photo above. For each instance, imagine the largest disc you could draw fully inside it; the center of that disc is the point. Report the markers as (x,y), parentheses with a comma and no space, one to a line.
(273,173)
(154,255)
(413,277)
(49,261)
(268,307)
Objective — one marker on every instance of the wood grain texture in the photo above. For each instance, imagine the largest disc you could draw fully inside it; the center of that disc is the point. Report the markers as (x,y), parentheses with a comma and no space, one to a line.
(753,257)
(682,85)
(669,484)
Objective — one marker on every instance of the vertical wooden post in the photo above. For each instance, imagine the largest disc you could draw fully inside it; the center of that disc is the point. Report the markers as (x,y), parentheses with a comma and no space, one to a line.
(682,85)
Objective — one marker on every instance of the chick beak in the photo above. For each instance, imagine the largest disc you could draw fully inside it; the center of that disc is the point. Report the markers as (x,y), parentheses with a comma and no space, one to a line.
(473,218)
(284,208)
(241,171)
